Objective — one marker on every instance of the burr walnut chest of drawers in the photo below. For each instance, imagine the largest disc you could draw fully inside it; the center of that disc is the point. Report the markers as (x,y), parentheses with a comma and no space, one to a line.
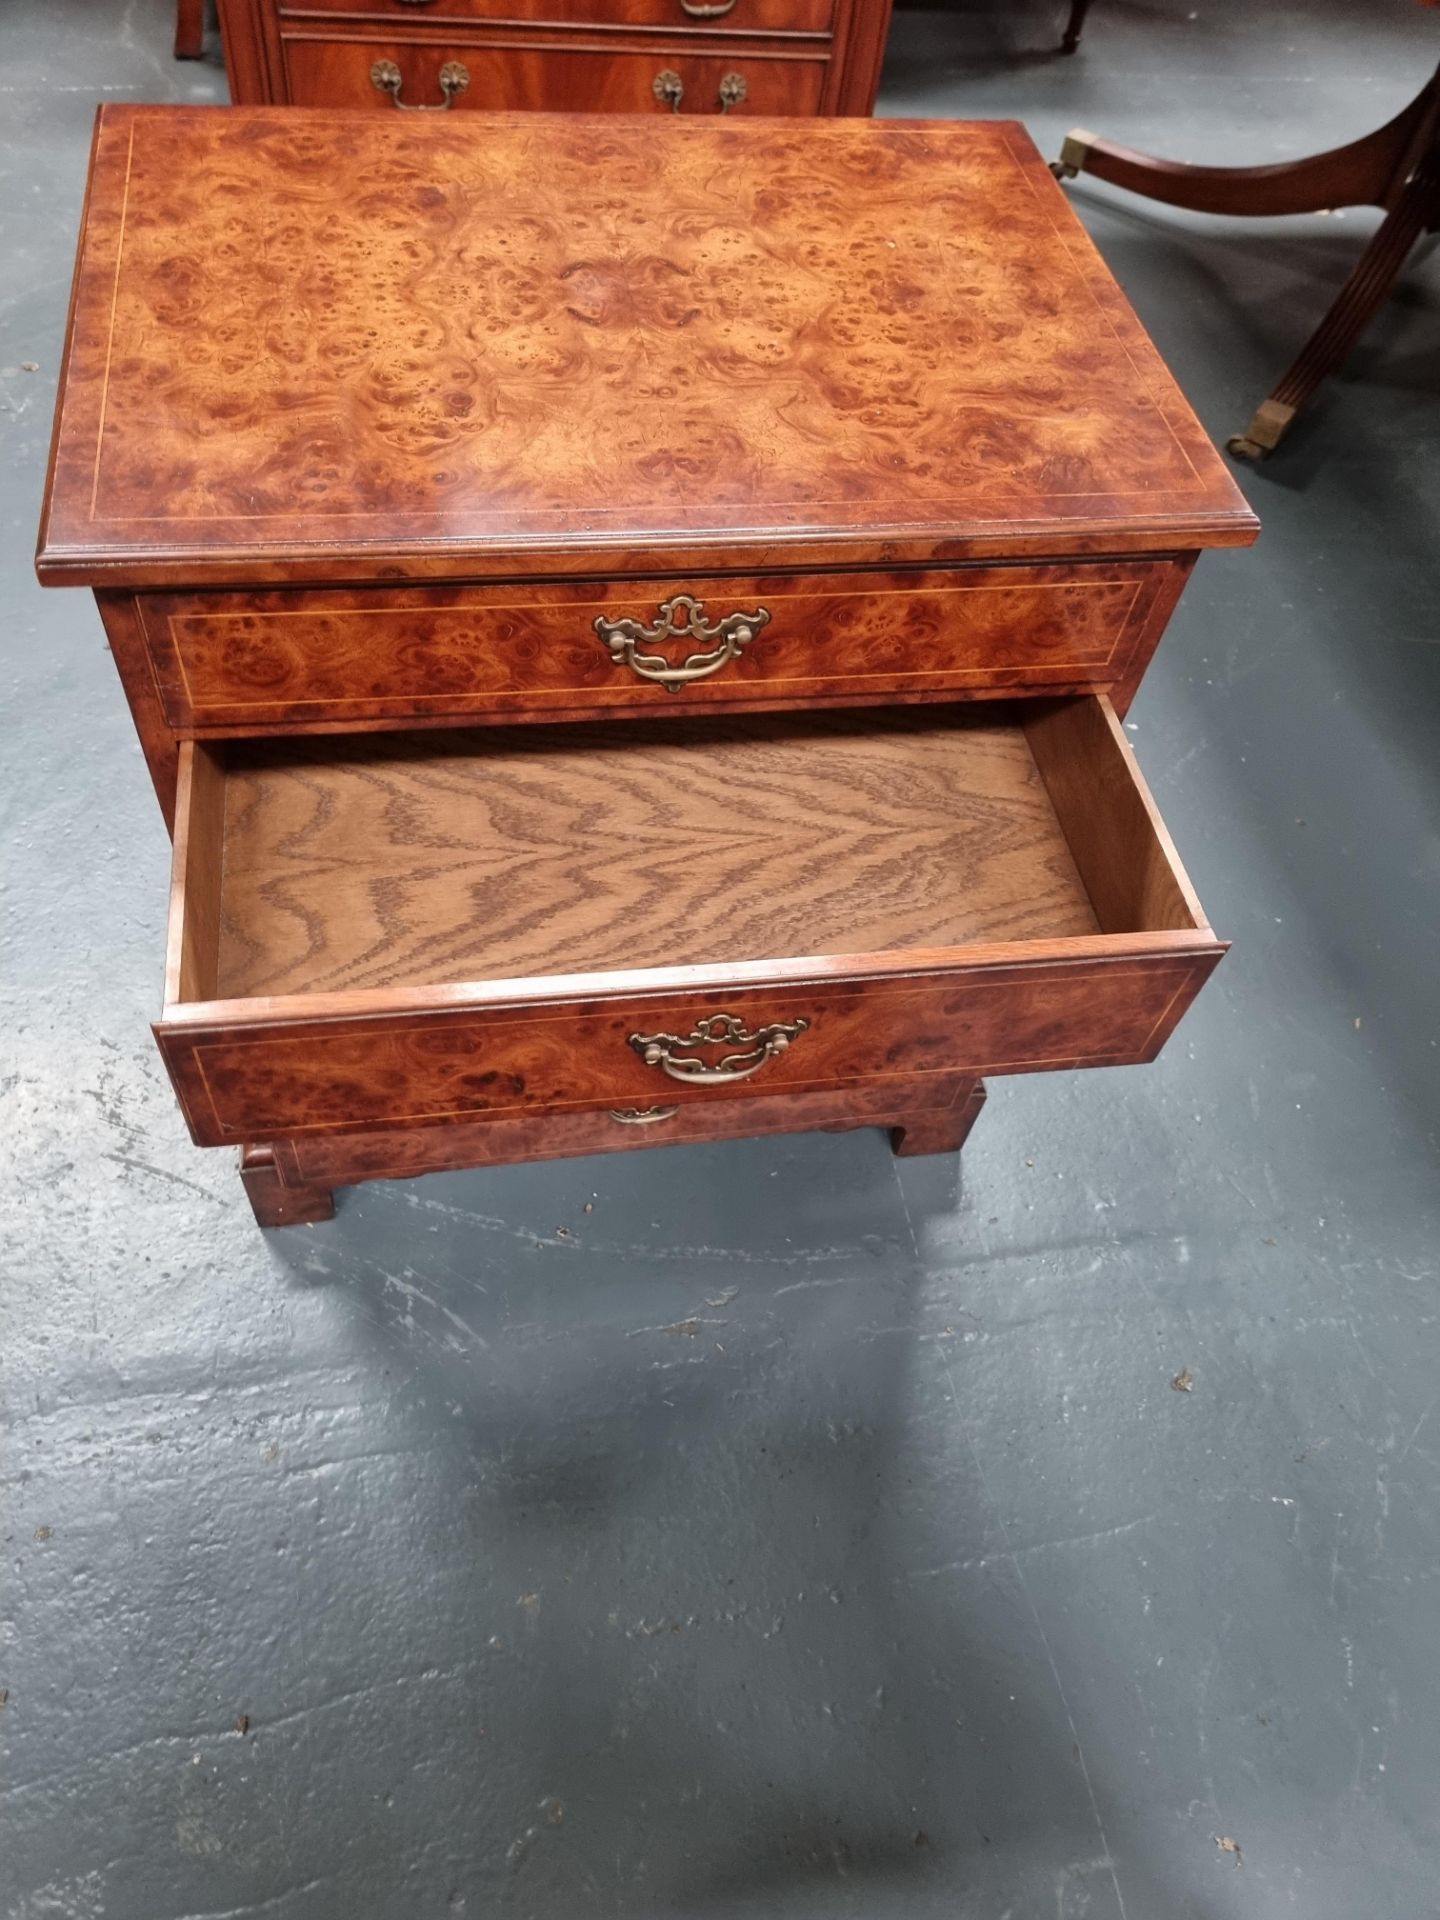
(587,56)
(627,623)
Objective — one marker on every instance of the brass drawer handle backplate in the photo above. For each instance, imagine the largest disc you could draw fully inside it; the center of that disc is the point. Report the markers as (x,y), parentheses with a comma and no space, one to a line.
(698,12)
(642,1116)
(387,77)
(680,618)
(669,88)
(750,1050)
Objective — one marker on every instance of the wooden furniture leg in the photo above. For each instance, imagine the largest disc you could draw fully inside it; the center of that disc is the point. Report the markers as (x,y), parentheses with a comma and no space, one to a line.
(1075,25)
(1363,294)
(189,29)
(1396,167)
(942,1132)
(275,1204)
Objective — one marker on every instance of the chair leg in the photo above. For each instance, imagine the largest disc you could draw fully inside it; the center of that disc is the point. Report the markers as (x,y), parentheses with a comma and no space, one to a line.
(1352,311)
(189,29)
(1075,25)
(1369,172)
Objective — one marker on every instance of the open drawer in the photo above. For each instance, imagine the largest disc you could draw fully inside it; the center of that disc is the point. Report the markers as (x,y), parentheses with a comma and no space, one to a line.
(407,930)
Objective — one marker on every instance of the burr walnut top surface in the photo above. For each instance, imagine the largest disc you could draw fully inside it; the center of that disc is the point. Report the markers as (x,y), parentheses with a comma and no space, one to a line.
(324,345)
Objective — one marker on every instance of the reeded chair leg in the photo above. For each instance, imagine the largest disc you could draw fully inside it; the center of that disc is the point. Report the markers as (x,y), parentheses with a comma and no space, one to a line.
(1362,296)
(1396,167)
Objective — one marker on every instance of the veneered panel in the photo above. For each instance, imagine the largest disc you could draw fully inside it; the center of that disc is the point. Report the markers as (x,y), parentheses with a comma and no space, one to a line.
(497,347)
(297,1076)
(306,657)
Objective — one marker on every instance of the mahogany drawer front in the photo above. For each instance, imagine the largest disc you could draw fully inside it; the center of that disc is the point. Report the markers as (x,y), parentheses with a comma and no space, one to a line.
(733,16)
(473,74)
(405,932)
(288,659)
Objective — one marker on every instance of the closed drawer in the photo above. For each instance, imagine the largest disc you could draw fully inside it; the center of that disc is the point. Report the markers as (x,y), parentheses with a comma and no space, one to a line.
(409,931)
(291,658)
(734,16)
(469,74)
(327,1159)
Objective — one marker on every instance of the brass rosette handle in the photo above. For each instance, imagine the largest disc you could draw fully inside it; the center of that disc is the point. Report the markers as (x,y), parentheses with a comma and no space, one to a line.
(749,1052)
(682,618)
(387,78)
(669,89)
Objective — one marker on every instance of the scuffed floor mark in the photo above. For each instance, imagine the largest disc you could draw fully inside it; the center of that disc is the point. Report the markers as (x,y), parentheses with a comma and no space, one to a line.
(82,1898)
(1415,1430)
(175,1179)
(552,1814)
(192,1836)
(677,1329)
(645,1251)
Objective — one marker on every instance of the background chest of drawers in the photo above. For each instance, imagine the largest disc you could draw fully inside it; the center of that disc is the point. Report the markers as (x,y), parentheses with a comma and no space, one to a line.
(628,632)
(587,56)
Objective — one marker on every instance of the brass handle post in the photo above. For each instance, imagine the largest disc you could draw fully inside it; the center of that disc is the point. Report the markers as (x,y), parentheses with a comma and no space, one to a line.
(668,88)
(682,618)
(749,1052)
(387,78)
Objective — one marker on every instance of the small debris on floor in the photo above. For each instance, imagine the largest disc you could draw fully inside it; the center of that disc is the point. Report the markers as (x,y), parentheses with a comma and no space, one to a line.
(722,1299)
(1227,1845)
(43,1533)
(1183,1381)
(242,1723)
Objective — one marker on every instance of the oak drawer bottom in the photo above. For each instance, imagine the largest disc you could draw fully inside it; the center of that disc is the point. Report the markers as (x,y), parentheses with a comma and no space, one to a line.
(405,932)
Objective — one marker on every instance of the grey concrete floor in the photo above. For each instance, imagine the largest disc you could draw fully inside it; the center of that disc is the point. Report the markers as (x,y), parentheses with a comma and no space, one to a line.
(417,1565)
